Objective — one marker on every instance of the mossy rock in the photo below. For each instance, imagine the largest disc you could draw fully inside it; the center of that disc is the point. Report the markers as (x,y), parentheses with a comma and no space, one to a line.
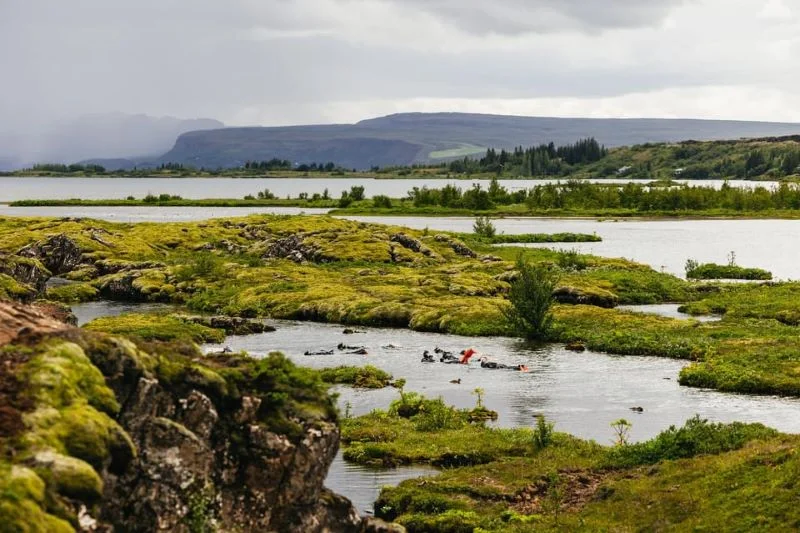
(68,476)
(156,327)
(72,293)
(22,503)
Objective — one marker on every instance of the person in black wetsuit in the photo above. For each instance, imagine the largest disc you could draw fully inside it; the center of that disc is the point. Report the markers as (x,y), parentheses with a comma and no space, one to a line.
(485,363)
(427,357)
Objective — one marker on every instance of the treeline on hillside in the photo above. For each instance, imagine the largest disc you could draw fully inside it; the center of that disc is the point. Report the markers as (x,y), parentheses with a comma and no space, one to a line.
(542,160)
(695,160)
(69,169)
(285,164)
(581,195)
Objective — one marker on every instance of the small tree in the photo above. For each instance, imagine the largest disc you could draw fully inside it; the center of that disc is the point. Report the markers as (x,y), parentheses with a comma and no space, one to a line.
(531,297)
(357,193)
(542,433)
(622,429)
(483,227)
(690,267)
(345,200)
(479,393)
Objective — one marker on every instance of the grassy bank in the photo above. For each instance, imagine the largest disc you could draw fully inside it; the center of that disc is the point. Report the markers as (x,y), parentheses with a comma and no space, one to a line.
(539,479)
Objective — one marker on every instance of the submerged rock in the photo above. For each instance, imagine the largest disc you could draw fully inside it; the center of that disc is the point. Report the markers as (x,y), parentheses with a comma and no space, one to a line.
(575,346)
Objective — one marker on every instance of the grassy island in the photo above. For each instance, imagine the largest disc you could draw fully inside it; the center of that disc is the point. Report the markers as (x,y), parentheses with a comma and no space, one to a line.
(572,198)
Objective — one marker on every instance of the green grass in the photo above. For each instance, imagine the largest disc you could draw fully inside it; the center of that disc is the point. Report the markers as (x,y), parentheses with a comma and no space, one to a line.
(462,151)
(714,271)
(499,480)
(156,327)
(367,377)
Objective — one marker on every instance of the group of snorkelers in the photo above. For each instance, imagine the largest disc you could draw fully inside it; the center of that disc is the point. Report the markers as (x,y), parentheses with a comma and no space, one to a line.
(463,358)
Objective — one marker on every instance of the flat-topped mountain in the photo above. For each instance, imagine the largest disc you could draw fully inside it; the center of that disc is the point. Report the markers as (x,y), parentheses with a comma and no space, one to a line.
(409,138)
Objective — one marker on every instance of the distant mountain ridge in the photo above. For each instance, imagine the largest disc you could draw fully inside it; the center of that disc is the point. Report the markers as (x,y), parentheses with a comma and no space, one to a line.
(119,141)
(408,138)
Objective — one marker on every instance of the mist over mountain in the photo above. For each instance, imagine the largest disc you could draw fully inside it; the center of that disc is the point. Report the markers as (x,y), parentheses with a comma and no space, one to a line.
(408,138)
(119,141)
(111,135)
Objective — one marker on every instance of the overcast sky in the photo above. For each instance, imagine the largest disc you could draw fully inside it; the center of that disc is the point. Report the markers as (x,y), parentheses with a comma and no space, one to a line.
(275,62)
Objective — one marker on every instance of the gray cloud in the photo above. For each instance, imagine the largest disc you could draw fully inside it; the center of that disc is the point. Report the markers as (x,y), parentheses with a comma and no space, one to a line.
(547,16)
(291,61)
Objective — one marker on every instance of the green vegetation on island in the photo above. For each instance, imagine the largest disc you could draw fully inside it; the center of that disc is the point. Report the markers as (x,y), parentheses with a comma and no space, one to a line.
(522,480)
(695,270)
(333,270)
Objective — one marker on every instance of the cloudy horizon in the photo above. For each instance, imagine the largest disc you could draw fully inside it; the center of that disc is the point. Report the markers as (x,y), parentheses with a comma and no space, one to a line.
(282,62)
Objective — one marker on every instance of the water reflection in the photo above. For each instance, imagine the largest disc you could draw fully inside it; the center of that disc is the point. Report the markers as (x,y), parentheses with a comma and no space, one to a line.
(363,484)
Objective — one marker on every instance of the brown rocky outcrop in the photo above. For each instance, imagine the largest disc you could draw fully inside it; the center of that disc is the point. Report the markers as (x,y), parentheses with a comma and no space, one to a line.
(295,249)
(18,320)
(58,253)
(25,270)
(209,456)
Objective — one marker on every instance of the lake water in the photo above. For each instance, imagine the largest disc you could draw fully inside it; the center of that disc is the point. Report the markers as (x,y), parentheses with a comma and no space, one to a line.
(667,310)
(15,188)
(663,244)
(153,213)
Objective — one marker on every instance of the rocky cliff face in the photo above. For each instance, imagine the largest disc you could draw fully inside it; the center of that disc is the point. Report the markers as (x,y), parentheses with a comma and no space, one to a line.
(99,434)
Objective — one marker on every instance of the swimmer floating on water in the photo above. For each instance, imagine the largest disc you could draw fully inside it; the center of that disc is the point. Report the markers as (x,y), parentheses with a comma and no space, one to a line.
(485,363)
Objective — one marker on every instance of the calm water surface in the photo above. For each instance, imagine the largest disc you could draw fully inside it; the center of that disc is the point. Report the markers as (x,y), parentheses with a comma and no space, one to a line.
(15,188)
(153,213)
(667,310)
(663,244)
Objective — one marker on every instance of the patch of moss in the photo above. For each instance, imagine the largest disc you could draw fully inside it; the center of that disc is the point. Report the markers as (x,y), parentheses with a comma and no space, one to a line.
(22,500)
(72,293)
(156,327)
(367,377)
(12,289)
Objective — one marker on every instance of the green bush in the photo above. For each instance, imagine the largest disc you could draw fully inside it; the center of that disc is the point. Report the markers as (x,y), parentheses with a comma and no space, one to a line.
(483,227)
(542,433)
(714,271)
(696,437)
(435,415)
(382,201)
(368,377)
(531,297)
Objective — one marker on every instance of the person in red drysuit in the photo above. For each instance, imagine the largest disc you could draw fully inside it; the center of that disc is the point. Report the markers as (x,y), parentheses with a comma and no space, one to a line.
(466,354)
